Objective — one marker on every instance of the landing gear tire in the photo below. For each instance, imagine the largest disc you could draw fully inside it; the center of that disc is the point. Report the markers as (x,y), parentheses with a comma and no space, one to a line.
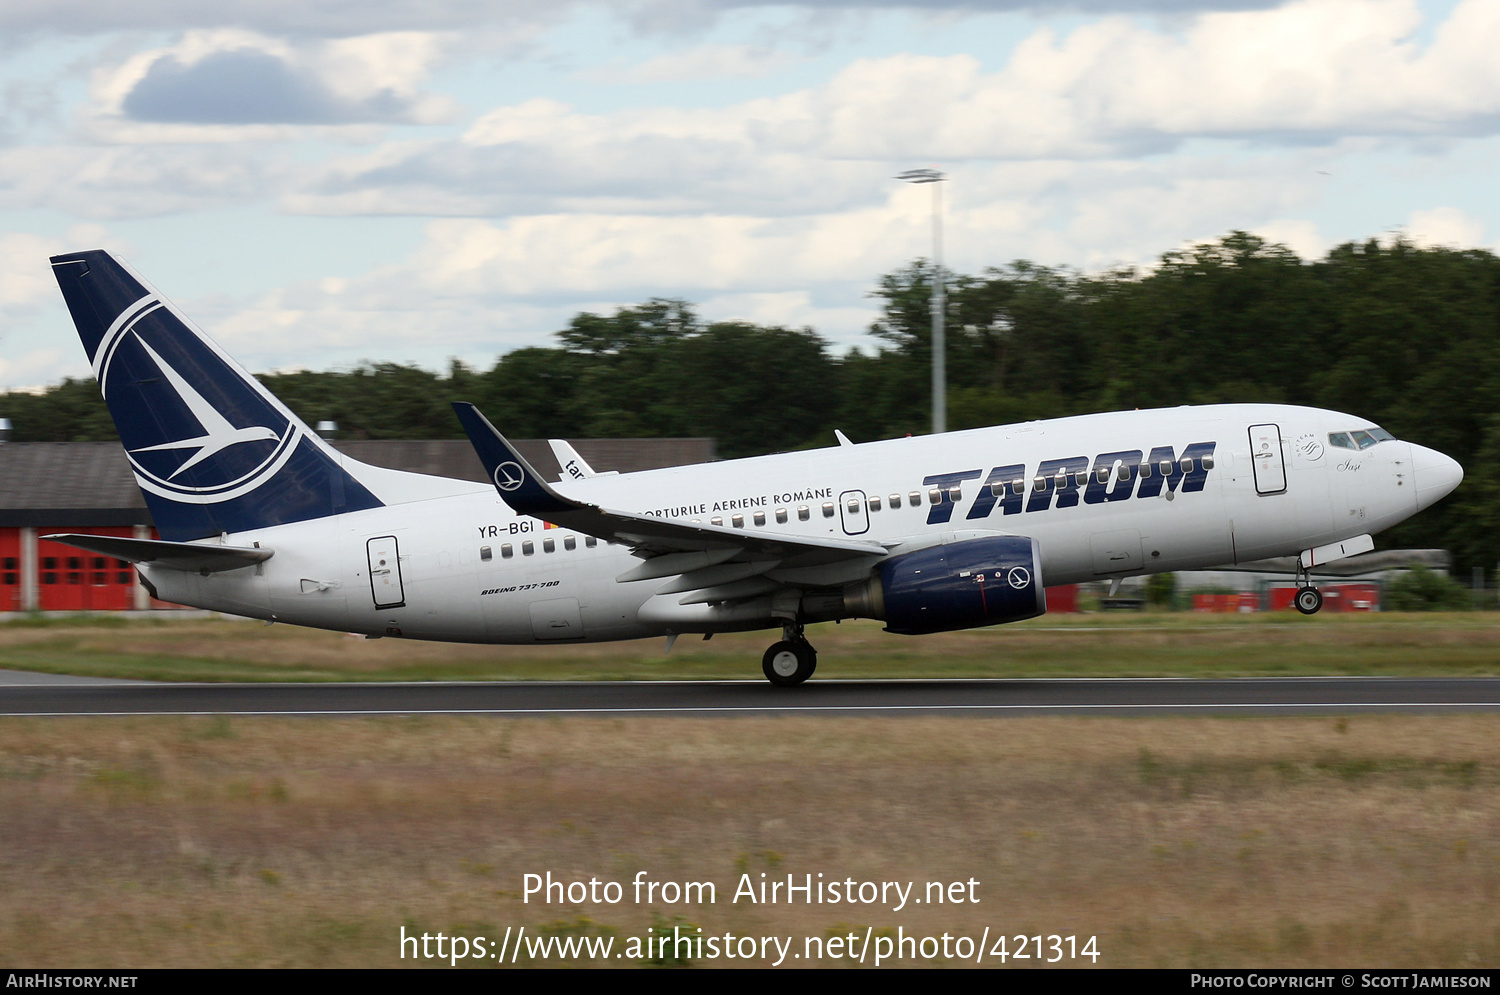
(789,663)
(1308,600)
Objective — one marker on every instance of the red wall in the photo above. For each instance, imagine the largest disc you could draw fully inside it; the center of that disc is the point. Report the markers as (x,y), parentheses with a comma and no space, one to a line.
(72,579)
(1063,599)
(10,570)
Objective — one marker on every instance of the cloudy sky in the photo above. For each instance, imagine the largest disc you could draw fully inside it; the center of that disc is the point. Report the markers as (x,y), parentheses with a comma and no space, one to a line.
(321,183)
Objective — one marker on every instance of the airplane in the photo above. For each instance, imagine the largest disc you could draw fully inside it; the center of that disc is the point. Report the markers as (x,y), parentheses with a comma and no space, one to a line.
(260,517)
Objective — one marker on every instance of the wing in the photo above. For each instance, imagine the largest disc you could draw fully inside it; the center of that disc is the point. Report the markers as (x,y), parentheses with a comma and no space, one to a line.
(521,487)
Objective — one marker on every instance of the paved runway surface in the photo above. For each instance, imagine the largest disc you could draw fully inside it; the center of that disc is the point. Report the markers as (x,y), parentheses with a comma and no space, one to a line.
(701,698)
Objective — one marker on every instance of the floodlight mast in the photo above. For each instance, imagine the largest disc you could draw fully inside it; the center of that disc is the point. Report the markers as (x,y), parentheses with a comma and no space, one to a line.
(939,297)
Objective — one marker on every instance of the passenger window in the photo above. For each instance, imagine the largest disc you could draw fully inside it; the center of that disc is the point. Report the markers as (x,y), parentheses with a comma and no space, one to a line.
(570,543)
(1187,466)
(486,554)
(738,521)
(1124,472)
(997,488)
(1039,484)
(1208,461)
(1102,474)
(506,552)
(590,542)
(874,502)
(716,521)
(1165,466)
(915,497)
(527,548)
(760,518)
(827,509)
(895,501)
(548,546)
(935,496)
(853,506)
(803,513)
(780,516)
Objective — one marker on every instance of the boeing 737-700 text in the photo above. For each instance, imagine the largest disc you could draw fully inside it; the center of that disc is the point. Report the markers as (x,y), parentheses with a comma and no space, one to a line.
(260,517)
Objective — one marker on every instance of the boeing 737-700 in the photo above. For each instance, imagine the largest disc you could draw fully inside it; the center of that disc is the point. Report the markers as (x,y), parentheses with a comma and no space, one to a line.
(260,517)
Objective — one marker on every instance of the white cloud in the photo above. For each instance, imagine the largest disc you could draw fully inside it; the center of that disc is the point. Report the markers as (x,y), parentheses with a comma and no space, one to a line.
(332,18)
(1308,73)
(705,62)
(1299,235)
(321,18)
(472,281)
(26,279)
(133,181)
(34,349)
(214,85)
(1445,226)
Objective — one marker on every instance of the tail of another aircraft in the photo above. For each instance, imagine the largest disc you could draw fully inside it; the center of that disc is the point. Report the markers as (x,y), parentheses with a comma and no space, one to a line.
(212,449)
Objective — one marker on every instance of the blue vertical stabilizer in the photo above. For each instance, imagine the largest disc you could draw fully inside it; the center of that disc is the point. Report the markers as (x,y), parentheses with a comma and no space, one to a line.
(213,451)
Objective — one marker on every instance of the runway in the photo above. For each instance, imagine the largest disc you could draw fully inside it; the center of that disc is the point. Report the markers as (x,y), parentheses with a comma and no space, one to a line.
(1258,696)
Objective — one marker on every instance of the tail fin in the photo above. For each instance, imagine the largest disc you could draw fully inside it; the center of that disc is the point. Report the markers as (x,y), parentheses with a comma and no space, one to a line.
(213,450)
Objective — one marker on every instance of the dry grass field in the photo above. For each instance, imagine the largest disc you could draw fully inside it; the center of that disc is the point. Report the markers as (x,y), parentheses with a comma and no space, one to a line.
(1367,841)
(1107,645)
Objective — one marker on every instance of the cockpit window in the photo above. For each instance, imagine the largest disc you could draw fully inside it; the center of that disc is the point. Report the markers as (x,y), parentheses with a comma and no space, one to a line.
(1359,439)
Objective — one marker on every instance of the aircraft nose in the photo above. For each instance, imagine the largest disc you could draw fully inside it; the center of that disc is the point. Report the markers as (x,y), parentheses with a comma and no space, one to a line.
(1437,475)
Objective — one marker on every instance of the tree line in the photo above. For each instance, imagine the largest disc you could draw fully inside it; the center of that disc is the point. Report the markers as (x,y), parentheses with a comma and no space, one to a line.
(1407,337)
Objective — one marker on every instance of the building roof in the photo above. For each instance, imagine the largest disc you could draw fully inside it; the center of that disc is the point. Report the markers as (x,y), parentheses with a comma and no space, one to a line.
(83,484)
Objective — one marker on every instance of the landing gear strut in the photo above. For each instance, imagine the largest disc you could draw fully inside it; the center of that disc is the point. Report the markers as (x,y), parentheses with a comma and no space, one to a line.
(791,661)
(1309,599)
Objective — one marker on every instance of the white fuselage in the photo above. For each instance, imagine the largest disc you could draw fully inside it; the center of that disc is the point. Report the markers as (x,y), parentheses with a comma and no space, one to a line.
(466,568)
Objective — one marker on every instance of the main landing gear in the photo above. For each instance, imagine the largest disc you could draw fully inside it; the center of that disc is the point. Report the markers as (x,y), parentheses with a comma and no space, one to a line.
(791,661)
(1309,599)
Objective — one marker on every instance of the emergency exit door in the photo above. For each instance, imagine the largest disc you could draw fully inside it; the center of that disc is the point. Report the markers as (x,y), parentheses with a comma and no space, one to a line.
(854,512)
(1266,460)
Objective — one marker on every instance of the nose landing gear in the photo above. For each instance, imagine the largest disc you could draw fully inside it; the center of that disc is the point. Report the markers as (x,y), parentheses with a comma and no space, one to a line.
(791,661)
(1309,599)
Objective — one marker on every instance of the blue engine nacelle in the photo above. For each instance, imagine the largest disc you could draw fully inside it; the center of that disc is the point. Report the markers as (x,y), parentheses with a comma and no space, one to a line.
(958,585)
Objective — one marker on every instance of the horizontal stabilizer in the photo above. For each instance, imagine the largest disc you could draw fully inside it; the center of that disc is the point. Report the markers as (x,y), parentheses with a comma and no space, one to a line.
(189,556)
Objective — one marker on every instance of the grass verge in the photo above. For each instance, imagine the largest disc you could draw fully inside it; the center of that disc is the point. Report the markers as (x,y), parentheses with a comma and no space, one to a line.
(1151,645)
